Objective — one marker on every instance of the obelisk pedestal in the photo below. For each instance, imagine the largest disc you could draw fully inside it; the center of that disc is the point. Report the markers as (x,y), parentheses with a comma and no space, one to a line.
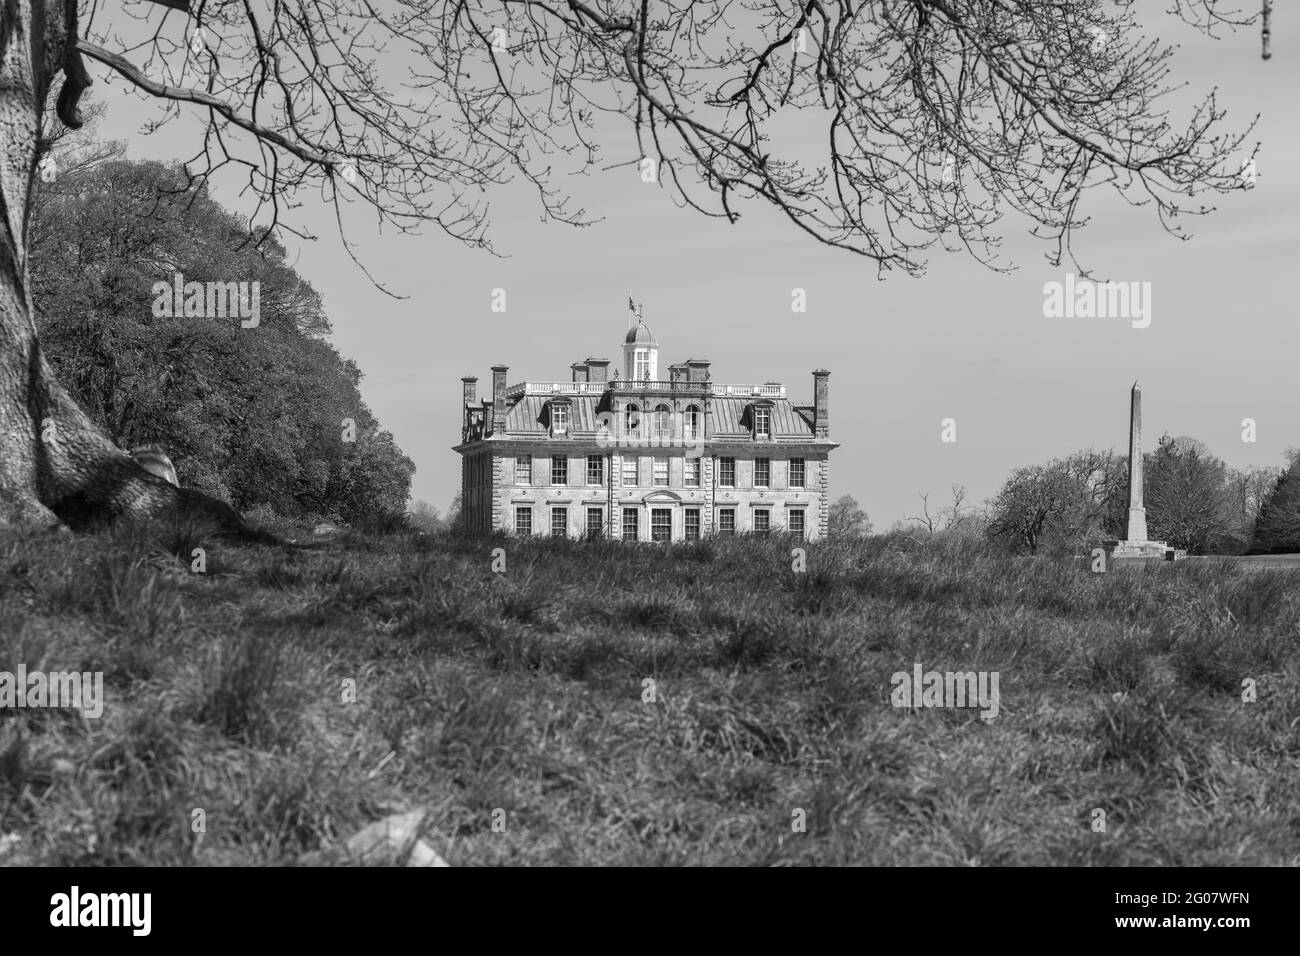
(1136,544)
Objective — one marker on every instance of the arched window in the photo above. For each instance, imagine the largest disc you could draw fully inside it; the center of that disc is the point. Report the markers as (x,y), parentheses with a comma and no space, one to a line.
(692,426)
(632,420)
(663,427)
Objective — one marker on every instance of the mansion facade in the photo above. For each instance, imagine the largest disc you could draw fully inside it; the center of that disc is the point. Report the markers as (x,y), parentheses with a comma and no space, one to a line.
(636,457)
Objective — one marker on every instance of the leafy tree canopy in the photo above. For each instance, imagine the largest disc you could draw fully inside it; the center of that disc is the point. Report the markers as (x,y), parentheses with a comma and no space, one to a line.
(255,414)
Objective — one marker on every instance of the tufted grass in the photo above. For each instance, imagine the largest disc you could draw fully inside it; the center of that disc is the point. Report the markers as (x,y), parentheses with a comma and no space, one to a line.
(522,699)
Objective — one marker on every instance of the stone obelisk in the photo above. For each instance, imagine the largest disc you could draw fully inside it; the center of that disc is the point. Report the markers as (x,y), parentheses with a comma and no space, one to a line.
(1137,514)
(1136,544)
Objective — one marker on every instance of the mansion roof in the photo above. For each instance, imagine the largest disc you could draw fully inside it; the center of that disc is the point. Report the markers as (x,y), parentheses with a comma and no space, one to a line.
(526,417)
(584,408)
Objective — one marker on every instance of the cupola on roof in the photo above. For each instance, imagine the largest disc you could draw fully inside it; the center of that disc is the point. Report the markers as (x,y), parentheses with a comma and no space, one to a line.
(641,335)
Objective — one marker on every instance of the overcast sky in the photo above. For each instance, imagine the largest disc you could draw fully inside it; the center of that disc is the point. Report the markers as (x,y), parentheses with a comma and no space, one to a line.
(904,354)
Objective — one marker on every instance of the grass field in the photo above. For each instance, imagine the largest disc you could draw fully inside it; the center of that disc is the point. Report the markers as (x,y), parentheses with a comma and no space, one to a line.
(517,697)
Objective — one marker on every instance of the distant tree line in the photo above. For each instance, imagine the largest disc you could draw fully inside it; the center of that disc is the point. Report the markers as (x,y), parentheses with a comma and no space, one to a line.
(1193,500)
(266,416)
(846,519)
(1277,529)
(425,517)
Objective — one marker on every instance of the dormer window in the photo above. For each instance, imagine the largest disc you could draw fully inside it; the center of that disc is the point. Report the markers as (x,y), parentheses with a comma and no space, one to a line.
(762,421)
(559,419)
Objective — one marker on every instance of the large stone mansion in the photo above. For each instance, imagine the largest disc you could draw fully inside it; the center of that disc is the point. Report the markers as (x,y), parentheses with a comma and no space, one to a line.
(637,457)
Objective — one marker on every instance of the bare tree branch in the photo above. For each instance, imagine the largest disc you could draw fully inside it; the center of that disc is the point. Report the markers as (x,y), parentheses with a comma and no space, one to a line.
(882,127)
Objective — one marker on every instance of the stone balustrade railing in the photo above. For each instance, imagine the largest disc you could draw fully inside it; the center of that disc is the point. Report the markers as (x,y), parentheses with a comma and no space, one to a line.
(766,390)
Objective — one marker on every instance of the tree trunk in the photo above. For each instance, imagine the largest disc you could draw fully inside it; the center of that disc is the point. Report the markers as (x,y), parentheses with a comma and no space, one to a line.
(56,466)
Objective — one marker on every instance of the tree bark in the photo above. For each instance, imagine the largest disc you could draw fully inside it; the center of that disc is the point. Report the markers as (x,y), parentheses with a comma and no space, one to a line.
(56,466)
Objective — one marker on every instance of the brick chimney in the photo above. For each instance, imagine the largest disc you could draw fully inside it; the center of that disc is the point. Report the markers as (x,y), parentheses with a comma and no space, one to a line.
(597,370)
(499,397)
(821,403)
(470,389)
(579,371)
